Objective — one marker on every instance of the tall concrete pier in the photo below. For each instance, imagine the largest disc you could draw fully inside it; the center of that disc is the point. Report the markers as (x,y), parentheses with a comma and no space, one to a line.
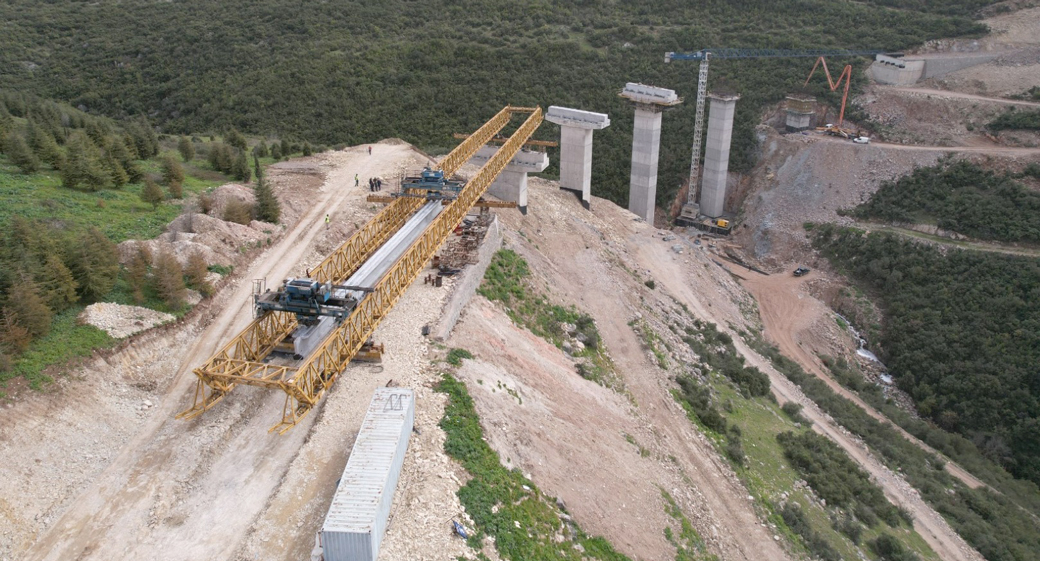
(716,154)
(511,184)
(576,128)
(649,102)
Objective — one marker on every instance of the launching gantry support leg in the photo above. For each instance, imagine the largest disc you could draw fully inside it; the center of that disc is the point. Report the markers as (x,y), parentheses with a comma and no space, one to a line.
(240,361)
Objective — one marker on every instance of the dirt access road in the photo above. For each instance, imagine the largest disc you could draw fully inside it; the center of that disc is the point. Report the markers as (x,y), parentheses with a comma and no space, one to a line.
(786,312)
(958,95)
(973,245)
(191,490)
(1001,150)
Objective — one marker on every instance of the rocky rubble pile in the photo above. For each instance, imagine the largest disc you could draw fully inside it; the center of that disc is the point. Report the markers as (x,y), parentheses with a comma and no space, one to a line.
(121,321)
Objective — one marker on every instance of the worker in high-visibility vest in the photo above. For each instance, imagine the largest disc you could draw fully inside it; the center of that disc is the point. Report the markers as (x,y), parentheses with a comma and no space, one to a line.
(326,222)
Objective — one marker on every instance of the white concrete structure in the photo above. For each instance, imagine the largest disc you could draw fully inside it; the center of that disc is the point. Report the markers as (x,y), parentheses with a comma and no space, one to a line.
(576,128)
(800,110)
(650,101)
(511,184)
(354,526)
(716,154)
(909,70)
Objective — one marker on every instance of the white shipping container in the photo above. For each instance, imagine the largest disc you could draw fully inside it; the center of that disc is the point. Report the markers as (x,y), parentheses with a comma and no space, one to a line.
(357,517)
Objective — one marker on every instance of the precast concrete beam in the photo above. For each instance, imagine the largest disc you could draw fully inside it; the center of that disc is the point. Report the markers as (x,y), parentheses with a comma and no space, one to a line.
(511,183)
(576,128)
(716,154)
(650,95)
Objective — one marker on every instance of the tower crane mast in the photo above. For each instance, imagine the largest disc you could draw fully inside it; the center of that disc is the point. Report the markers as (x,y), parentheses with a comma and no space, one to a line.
(690,209)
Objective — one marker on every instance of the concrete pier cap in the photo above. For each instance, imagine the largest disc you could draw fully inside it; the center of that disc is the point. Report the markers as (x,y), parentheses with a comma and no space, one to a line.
(511,183)
(576,128)
(649,102)
(653,95)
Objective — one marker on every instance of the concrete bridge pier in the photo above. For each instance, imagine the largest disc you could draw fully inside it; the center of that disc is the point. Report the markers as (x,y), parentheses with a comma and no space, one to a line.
(649,102)
(716,154)
(511,184)
(576,128)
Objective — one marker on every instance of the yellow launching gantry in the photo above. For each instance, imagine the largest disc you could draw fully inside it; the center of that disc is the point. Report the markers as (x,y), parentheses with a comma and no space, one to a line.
(241,361)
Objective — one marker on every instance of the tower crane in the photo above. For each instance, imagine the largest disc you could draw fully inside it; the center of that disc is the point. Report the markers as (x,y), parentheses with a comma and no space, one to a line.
(689,210)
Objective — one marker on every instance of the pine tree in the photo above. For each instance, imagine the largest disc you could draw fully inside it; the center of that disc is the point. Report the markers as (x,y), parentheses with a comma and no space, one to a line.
(97,130)
(259,151)
(27,308)
(286,149)
(276,151)
(44,146)
(83,167)
(19,153)
(196,272)
(115,170)
(236,139)
(306,148)
(221,157)
(95,263)
(168,278)
(137,272)
(14,337)
(176,190)
(152,193)
(6,121)
(267,207)
(58,284)
(186,148)
(240,168)
(130,144)
(172,170)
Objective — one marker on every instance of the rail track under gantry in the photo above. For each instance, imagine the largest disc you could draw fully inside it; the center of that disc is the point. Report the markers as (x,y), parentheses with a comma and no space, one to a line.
(241,360)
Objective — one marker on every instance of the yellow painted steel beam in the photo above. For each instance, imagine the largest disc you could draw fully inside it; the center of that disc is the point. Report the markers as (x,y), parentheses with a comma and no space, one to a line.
(238,361)
(502,139)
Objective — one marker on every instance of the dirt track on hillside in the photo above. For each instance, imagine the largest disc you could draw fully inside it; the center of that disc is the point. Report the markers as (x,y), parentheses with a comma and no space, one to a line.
(959,95)
(994,149)
(786,312)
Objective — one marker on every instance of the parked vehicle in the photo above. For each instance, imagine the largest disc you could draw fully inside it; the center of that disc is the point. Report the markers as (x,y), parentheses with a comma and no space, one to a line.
(801,271)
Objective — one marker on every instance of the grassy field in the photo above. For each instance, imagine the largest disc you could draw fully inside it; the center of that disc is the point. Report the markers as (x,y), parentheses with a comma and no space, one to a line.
(118,213)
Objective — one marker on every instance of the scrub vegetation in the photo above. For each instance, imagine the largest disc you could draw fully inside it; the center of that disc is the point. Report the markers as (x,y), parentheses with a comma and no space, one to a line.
(961,197)
(507,281)
(1000,524)
(810,489)
(350,72)
(503,504)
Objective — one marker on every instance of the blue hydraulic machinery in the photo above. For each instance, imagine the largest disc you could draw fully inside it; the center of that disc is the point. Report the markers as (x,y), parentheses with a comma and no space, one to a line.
(309,300)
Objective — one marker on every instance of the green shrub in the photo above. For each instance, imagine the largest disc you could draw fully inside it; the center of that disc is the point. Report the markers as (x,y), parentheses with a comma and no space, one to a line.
(455,356)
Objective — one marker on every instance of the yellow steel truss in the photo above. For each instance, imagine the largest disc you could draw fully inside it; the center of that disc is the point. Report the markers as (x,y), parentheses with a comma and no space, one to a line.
(239,362)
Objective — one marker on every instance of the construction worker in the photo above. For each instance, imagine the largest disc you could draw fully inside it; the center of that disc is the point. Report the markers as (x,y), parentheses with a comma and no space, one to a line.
(326,222)
(369,150)
(357,181)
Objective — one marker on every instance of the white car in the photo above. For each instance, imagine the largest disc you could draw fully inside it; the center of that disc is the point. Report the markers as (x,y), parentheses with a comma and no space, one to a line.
(861,140)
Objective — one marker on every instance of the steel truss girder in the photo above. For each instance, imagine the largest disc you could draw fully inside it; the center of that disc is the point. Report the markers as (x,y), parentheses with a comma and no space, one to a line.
(238,362)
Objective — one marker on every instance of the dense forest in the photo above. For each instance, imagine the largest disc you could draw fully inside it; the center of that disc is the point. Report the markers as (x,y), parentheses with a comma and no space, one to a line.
(961,197)
(353,72)
(961,335)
